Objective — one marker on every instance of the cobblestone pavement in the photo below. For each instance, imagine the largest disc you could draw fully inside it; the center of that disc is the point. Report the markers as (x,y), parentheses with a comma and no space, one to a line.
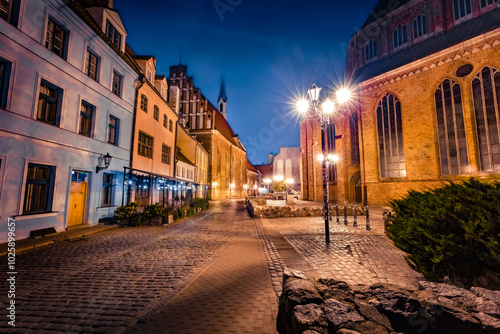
(355,255)
(106,283)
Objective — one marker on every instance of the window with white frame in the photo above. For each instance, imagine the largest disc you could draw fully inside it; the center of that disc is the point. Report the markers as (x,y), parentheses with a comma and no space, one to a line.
(91,65)
(390,138)
(461,8)
(107,190)
(400,36)
(486,95)
(113,34)
(371,49)
(86,114)
(48,103)
(5,67)
(55,38)
(116,87)
(451,129)
(39,190)
(420,26)
(113,130)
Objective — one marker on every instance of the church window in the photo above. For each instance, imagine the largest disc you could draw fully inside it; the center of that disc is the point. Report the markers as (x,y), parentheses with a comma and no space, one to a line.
(354,131)
(390,138)
(400,36)
(486,94)
(451,130)
(371,50)
(461,8)
(419,26)
(485,3)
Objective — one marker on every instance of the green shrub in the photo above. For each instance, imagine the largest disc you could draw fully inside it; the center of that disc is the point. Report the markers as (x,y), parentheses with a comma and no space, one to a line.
(451,231)
(175,215)
(153,210)
(130,212)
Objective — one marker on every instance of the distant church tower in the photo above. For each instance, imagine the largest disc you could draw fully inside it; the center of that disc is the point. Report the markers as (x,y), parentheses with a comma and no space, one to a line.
(223,99)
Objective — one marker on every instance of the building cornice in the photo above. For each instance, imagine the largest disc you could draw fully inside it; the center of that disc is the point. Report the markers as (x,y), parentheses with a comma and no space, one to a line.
(485,41)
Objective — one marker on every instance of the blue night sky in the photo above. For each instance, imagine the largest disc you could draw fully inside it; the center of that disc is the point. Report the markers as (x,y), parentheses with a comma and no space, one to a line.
(268,51)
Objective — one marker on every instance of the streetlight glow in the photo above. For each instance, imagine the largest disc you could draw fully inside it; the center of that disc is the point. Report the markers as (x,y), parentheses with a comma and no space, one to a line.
(303,106)
(278,178)
(335,158)
(328,107)
(343,95)
(314,93)
(321,157)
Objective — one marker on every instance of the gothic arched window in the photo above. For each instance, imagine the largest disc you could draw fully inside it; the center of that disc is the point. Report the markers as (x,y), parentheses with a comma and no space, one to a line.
(461,8)
(400,36)
(371,50)
(390,137)
(451,129)
(420,26)
(486,92)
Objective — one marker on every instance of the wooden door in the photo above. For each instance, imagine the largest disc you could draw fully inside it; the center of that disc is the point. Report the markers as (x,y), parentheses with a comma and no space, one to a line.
(77,199)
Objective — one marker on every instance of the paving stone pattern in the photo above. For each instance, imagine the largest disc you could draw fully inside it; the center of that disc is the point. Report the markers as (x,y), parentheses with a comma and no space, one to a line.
(354,255)
(109,281)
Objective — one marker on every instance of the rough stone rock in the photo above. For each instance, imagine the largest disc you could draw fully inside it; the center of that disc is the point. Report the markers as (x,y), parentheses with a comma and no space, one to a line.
(306,316)
(367,327)
(491,325)
(449,291)
(290,273)
(453,320)
(487,301)
(399,307)
(347,331)
(339,313)
(300,291)
(371,313)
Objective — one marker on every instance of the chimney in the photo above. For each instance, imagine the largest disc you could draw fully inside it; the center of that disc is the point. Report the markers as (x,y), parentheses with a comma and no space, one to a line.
(270,158)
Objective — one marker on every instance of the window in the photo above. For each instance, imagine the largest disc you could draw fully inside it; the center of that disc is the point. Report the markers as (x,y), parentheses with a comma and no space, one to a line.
(485,3)
(91,62)
(399,36)
(149,75)
(55,38)
(390,138)
(486,94)
(163,93)
(354,132)
(183,172)
(86,113)
(331,149)
(420,26)
(461,8)
(280,167)
(156,113)
(170,126)
(113,127)
(371,50)
(116,84)
(165,154)
(144,103)
(145,145)
(288,169)
(165,121)
(5,67)
(39,189)
(113,34)
(9,10)
(107,190)
(48,103)
(451,129)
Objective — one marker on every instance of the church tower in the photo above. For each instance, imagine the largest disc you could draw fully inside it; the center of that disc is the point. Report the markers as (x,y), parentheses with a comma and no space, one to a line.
(222,101)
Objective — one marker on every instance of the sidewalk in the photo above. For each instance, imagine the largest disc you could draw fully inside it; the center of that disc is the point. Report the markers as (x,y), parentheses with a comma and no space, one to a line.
(73,233)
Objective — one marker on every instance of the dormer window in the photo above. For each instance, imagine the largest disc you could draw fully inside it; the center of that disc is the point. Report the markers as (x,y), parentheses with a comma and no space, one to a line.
(163,92)
(113,34)
(149,75)
(400,36)
(371,50)
(461,8)
(420,26)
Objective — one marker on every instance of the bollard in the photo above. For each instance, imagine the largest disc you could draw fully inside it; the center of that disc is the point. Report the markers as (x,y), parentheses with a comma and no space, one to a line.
(367,219)
(355,223)
(345,214)
(337,209)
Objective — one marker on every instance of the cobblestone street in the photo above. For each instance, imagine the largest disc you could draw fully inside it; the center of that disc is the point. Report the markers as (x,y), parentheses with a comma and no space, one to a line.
(219,271)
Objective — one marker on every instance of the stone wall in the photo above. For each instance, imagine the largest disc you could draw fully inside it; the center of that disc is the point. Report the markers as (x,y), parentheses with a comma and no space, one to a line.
(329,306)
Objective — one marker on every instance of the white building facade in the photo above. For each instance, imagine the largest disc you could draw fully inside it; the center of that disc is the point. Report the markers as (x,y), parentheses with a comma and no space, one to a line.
(66,101)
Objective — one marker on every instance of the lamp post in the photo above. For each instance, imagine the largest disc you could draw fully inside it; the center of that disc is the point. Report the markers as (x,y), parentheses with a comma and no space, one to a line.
(323,115)
(268,182)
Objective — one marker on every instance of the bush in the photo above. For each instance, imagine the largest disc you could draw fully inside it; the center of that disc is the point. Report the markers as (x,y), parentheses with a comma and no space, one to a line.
(153,210)
(200,203)
(175,214)
(129,212)
(452,231)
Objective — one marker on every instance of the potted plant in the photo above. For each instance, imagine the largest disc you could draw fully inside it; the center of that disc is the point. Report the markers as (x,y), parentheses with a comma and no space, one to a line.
(128,215)
(154,213)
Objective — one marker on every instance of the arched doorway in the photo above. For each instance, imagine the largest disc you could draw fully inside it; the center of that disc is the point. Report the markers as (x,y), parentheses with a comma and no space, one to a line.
(357,194)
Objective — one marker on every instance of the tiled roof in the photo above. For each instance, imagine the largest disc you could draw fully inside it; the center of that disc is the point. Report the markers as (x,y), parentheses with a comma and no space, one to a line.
(441,41)
(251,167)
(265,170)
(224,128)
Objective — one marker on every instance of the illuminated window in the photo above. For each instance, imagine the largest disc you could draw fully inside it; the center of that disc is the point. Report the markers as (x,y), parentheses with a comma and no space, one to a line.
(91,63)
(86,114)
(55,38)
(113,34)
(39,190)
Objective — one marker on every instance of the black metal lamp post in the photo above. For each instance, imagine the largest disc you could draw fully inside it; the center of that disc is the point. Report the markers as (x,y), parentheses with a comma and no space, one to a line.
(107,160)
(323,116)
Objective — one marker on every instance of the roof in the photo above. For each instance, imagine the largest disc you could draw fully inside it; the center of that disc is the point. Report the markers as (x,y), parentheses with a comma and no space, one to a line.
(251,167)
(382,8)
(265,170)
(222,92)
(224,128)
(459,33)
(182,158)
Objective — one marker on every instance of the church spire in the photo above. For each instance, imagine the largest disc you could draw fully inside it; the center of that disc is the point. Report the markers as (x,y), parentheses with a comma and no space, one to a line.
(223,99)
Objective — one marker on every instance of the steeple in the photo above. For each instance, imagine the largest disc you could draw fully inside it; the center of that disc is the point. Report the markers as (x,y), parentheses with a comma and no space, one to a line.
(222,101)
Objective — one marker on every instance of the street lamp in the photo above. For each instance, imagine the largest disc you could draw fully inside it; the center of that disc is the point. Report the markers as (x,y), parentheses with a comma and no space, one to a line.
(268,182)
(323,114)
(289,183)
